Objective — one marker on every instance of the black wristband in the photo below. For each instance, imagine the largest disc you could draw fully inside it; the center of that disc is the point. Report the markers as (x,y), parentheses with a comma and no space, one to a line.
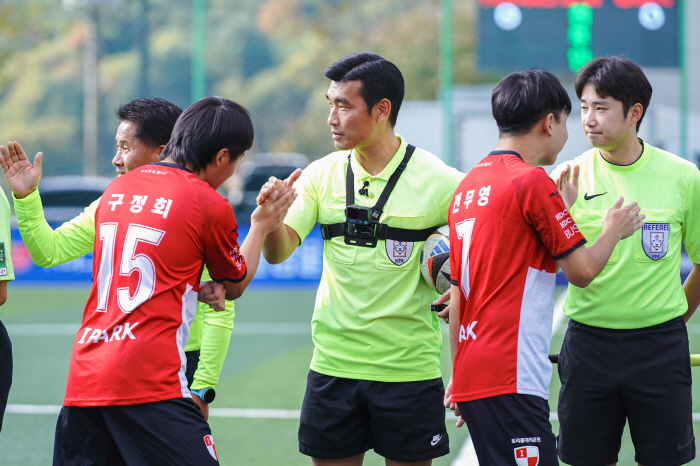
(207,395)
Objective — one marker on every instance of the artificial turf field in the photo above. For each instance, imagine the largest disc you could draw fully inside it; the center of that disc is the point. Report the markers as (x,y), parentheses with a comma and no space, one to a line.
(266,368)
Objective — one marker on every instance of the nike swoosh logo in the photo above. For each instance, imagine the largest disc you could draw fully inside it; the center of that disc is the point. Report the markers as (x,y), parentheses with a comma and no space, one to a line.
(435,441)
(554,194)
(682,447)
(588,198)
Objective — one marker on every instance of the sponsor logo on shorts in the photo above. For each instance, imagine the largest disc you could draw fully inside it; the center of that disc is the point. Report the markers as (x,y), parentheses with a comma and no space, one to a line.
(526,440)
(398,252)
(527,456)
(209,442)
(435,440)
(681,447)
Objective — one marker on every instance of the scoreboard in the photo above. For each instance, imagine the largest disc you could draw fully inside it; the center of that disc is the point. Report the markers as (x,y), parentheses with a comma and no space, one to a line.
(562,35)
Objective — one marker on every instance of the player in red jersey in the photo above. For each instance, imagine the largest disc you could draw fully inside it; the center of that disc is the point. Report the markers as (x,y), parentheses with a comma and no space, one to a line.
(126,399)
(508,231)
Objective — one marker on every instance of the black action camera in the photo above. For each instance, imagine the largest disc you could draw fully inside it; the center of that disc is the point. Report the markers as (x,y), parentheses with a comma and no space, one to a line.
(361,230)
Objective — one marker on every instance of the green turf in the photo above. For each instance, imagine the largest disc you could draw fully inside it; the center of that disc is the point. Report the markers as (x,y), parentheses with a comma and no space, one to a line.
(261,371)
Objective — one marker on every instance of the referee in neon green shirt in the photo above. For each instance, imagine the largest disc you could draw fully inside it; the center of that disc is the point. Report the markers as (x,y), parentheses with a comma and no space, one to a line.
(375,379)
(625,355)
(145,128)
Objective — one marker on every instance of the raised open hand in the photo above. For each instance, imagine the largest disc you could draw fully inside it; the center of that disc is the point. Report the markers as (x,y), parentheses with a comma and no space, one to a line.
(21,175)
(566,179)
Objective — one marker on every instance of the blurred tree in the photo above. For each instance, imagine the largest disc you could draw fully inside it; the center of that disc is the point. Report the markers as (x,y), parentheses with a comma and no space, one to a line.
(40,89)
(269,55)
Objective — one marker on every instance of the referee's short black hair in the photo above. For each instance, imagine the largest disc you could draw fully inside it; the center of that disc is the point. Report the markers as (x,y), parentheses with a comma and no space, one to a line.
(380,79)
(206,127)
(154,118)
(522,99)
(619,78)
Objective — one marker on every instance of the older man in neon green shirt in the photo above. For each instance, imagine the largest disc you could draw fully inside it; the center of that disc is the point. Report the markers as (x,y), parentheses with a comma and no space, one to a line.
(145,128)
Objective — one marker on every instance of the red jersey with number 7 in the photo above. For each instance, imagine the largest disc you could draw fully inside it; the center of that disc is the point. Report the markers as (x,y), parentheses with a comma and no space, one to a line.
(508,226)
(155,227)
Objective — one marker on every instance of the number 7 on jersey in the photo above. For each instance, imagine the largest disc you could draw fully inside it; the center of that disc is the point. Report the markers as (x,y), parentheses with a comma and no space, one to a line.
(464,232)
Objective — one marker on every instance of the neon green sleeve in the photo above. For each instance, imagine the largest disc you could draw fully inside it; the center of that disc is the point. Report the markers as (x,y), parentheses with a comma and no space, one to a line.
(691,218)
(302,215)
(49,247)
(216,335)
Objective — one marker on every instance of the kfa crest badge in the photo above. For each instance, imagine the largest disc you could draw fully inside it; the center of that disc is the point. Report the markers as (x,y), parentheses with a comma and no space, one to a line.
(527,456)
(655,239)
(398,252)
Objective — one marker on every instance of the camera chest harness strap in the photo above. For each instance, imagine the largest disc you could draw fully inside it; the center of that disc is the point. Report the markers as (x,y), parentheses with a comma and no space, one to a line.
(382,231)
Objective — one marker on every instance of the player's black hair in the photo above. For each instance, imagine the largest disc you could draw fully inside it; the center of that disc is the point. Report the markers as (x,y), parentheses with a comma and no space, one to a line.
(619,78)
(522,99)
(380,79)
(154,118)
(206,127)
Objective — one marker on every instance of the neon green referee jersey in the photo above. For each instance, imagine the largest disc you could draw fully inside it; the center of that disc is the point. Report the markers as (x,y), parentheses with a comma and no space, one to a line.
(210,331)
(372,318)
(640,286)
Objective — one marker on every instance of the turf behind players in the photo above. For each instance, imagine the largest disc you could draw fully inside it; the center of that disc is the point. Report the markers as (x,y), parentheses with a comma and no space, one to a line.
(508,231)
(127,400)
(625,355)
(375,378)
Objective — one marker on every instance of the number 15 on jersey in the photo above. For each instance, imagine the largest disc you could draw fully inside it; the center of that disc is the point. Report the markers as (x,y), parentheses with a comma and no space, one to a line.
(130,262)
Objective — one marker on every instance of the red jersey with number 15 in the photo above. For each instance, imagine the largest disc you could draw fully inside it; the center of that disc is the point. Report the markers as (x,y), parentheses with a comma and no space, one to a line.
(154,228)
(508,225)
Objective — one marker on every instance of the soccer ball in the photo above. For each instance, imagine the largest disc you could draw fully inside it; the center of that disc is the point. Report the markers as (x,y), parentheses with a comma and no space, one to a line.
(435,260)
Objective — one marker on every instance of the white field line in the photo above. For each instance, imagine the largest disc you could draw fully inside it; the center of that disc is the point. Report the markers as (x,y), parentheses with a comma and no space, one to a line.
(42,329)
(214,412)
(245,328)
(256,413)
(248,413)
(33,409)
(467,455)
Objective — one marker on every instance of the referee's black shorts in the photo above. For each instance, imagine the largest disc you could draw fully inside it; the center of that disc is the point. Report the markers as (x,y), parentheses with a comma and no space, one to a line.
(639,375)
(164,433)
(401,421)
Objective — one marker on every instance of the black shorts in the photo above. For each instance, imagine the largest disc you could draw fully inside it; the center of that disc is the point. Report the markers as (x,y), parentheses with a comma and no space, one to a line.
(511,429)
(642,375)
(5,369)
(170,432)
(402,421)
(192,363)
